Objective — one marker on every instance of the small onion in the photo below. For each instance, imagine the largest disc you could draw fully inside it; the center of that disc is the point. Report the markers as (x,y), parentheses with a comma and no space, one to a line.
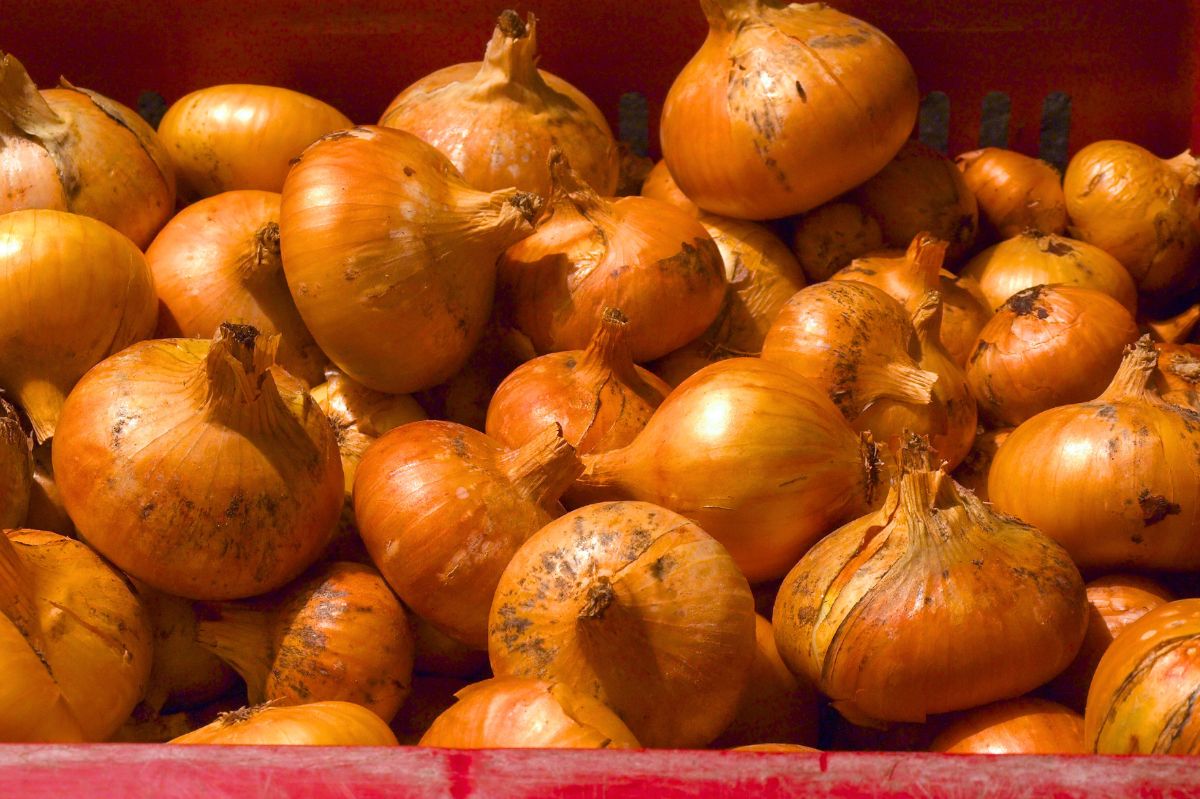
(829,238)
(1015,193)
(1025,726)
(1177,378)
(513,713)
(314,724)
(661,186)
(16,469)
(972,473)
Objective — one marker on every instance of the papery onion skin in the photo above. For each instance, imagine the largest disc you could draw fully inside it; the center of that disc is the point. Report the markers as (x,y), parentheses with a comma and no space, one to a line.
(391,257)
(1015,193)
(1046,347)
(1026,726)
(509,712)
(972,473)
(601,598)
(1177,377)
(756,455)
(1114,480)
(828,238)
(51,335)
(661,186)
(218,261)
(498,119)
(1033,259)
(16,469)
(242,136)
(199,467)
(1143,698)
(754,127)
(314,724)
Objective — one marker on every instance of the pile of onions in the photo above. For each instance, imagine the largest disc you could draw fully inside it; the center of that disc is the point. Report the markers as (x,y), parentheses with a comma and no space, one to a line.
(1026,726)
(1047,346)
(75,644)
(659,185)
(200,468)
(51,336)
(514,713)
(1143,698)
(242,136)
(599,397)
(71,149)
(314,724)
(754,454)
(909,611)
(1177,378)
(653,261)
(972,473)
(16,469)
(498,119)
(218,261)
(907,277)
(754,127)
(184,674)
(1141,210)
(46,508)
(1033,259)
(391,256)
(829,238)
(604,598)
(762,275)
(1015,193)
(1116,480)
(442,508)
(338,634)
(922,190)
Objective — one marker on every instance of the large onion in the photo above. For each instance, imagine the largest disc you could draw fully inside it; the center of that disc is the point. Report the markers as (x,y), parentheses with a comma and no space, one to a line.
(828,238)
(1026,726)
(314,724)
(1015,193)
(16,469)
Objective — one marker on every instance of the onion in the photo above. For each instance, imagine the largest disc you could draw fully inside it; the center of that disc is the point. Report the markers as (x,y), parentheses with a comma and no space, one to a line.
(907,277)
(76,645)
(651,260)
(909,611)
(972,473)
(777,748)
(785,107)
(659,185)
(1047,346)
(1177,378)
(442,508)
(922,190)
(46,508)
(337,634)
(1115,480)
(242,136)
(202,469)
(757,456)
(184,675)
(391,257)
(71,149)
(1036,259)
(1143,698)
(498,119)
(828,238)
(598,396)
(440,655)
(1140,210)
(516,713)
(1015,193)
(636,606)
(1025,726)
(430,698)
(762,274)
(314,724)
(83,288)
(16,469)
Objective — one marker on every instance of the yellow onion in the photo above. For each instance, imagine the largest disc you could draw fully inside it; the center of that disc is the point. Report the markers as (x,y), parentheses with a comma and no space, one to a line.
(651,260)
(75,642)
(828,238)
(1015,193)
(442,508)
(497,120)
(1139,209)
(1177,378)
(184,674)
(241,136)
(1114,480)
(1143,698)
(440,655)
(46,508)
(972,473)
(391,256)
(659,185)
(1026,726)
(218,261)
(72,292)
(785,107)
(754,454)
(430,698)
(314,724)
(514,713)
(636,606)
(71,149)
(907,277)
(1033,259)
(1047,346)
(16,469)
(911,610)
(762,274)
(200,468)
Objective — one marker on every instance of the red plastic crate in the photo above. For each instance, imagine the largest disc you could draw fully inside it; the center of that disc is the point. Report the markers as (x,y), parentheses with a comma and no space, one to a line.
(1130,71)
